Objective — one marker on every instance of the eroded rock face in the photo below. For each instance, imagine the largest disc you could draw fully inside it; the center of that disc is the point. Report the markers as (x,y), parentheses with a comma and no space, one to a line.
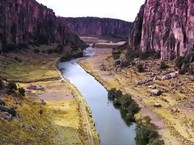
(165,25)
(93,26)
(27,21)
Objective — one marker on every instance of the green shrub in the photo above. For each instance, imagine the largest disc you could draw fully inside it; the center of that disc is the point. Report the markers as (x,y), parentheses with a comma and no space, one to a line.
(1,84)
(163,65)
(12,86)
(12,111)
(21,91)
(146,134)
(116,102)
(146,54)
(179,62)
(156,142)
(140,68)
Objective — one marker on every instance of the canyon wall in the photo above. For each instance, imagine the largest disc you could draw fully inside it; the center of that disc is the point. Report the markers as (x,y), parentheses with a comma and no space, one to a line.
(93,26)
(27,21)
(166,26)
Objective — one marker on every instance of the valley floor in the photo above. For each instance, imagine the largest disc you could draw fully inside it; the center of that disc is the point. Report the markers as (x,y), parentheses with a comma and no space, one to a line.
(174,119)
(64,119)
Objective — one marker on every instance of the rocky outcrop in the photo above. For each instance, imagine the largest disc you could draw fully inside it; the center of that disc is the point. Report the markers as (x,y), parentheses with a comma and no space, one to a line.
(28,22)
(166,26)
(93,26)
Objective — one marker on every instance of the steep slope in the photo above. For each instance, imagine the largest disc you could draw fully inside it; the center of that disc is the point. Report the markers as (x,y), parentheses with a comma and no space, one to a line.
(164,25)
(94,26)
(28,22)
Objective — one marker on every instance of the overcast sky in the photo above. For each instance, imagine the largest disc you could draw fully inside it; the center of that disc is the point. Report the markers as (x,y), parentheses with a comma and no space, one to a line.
(120,9)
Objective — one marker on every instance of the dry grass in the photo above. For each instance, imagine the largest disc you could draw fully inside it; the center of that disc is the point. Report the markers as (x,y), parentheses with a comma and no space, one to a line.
(61,122)
(180,124)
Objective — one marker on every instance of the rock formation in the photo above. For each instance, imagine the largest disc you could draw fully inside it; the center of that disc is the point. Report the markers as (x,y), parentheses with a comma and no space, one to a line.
(166,26)
(28,22)
(93,26)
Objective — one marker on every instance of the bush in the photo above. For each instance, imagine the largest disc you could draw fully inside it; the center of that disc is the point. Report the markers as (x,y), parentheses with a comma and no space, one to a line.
(21,91)
(146,133)
(146,54)
(156,142)
(163,65)
(36,50)
(179,62)
(12,112)
(140,68)
(12,86)
(1,84)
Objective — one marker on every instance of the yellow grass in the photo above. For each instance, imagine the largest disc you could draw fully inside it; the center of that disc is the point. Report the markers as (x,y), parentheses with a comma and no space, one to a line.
(180,125)
(61,122)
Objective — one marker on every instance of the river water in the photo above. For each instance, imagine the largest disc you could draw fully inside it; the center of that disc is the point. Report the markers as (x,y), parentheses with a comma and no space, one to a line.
(112,129)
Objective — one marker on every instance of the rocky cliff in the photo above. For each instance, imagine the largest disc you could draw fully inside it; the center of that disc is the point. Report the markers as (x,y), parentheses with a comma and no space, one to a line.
(28,22)
(93,26)
(166,26)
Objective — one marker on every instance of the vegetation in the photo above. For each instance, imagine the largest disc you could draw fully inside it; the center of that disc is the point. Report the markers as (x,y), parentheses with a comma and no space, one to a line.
(12,86)
(140,68)
(146,133)
(1,84)
(163,65)
(184,63)
(21,91)
(125,102)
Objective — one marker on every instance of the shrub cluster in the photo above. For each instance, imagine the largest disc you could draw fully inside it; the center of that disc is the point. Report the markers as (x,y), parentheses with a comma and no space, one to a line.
(184,63)
(147,134)
(125,102)
(163,65)
(140,68)
(13,89)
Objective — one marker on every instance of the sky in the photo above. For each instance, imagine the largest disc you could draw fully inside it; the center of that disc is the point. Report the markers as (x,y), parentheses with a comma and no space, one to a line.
(119,9)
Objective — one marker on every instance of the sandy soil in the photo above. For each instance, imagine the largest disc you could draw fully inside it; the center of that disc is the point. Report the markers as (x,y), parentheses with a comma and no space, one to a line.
(169,125)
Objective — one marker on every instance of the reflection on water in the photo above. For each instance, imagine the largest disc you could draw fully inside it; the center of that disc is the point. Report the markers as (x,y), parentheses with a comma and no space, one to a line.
(113,130)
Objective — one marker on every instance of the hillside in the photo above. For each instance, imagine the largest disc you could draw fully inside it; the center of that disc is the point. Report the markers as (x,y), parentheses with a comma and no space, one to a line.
(165,26)
(94,26)
(25,22)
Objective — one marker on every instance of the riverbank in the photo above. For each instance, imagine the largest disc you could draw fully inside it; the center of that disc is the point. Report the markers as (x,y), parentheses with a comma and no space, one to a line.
(66,117)
(101,67)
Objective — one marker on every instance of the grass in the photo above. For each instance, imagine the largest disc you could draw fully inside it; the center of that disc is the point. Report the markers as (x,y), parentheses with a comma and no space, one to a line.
(61,122)
(179,124)
(30,128)
(28,72)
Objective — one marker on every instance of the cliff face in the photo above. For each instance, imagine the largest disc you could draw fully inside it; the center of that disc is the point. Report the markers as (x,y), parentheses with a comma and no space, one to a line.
(164,25)
(93,26)
(27,21)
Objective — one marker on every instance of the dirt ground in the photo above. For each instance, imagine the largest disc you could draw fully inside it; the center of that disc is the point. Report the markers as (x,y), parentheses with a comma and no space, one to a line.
(176,127)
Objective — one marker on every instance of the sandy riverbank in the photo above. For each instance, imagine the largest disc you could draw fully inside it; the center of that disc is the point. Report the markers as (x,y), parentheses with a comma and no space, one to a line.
(124,80)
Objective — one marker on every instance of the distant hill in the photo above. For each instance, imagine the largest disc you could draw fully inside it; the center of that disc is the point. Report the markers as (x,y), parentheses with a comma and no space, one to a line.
(100,27)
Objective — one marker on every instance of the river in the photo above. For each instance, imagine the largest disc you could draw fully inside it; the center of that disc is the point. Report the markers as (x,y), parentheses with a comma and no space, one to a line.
(110,126)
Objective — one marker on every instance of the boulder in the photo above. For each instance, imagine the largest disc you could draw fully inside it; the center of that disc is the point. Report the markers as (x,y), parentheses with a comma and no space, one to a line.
(156,92)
